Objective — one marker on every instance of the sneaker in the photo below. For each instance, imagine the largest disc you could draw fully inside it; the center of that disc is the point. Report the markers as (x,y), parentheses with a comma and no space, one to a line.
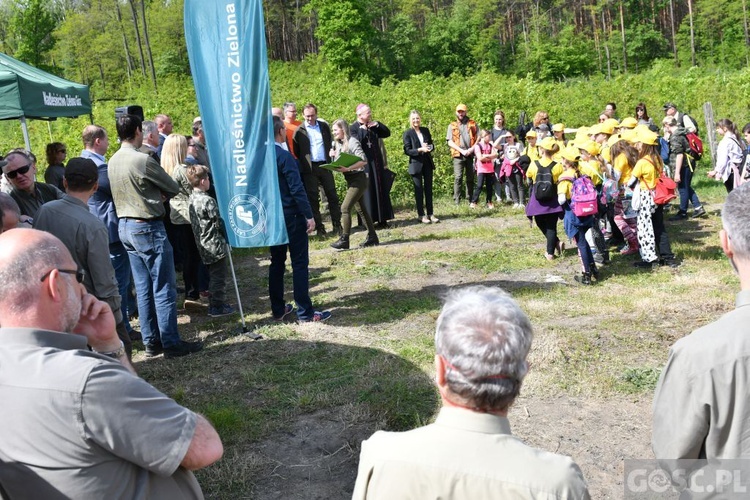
(699,212)
(205,297)
(627,250)
(219,311)
(318,316)
(669,262)
(288,309)
(490,206)
(154,349)
(549,257)
(680,216)
(434,219)
(472,205)
(613,242)
(425,220)
(182,349)
(192,302)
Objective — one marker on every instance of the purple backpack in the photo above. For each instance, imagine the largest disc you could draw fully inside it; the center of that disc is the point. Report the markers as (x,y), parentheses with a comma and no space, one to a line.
(584,198)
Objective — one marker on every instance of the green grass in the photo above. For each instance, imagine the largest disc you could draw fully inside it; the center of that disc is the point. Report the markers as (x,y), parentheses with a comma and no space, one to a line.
(371,366)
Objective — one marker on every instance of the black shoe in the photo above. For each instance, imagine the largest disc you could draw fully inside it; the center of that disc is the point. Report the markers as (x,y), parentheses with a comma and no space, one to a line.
(371,241)
(669,262)
(337,229)
(700,212)
(594,272)
(321,231)
(614,242)
(584,278)
(680,216)
(382,225)
(182,349)
(642,264)
(605,258)
(135,335)
(342,243)
(154,349)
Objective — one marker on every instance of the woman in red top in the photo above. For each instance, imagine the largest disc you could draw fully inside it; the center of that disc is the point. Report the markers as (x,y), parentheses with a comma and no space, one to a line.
(485,155)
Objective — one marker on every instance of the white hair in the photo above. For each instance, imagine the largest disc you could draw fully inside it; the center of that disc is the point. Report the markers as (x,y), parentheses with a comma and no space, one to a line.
(484,337)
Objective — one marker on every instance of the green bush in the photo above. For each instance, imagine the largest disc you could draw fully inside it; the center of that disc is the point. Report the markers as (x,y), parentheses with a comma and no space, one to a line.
(575,102)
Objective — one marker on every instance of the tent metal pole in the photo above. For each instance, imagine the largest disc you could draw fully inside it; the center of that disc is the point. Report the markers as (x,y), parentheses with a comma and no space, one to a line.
(25,130)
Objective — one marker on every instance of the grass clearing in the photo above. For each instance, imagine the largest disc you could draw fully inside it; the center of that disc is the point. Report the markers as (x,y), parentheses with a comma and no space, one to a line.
(293,408)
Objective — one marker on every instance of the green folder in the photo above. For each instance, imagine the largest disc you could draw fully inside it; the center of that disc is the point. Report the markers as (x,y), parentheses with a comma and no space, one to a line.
(344,160)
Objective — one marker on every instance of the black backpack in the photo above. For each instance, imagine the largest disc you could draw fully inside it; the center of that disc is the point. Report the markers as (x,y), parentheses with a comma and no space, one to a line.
(544,189)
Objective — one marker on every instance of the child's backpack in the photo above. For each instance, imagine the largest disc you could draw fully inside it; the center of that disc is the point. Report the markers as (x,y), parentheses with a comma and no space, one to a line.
(664,192)
(584,198)
(544,187)
(610,190)
(696,145)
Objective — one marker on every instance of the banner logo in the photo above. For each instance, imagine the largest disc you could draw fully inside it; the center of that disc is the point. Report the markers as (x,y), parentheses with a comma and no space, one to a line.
(247,216)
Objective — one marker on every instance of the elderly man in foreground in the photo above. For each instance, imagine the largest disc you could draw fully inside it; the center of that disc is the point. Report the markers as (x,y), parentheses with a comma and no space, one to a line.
(78,423)
(701,408)
(482,341)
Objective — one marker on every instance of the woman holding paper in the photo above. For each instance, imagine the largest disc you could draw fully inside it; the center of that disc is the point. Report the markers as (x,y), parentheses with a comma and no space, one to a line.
(418,147)
(356,180)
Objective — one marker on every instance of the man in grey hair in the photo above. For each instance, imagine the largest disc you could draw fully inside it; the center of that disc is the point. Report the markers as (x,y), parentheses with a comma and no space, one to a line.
(701,408)
(481,341)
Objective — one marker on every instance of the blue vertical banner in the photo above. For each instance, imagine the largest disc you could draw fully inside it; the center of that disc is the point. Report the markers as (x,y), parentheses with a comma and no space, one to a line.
(227,50)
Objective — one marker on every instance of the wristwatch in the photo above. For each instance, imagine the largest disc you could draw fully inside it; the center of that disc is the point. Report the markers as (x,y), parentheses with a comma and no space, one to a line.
(116,354)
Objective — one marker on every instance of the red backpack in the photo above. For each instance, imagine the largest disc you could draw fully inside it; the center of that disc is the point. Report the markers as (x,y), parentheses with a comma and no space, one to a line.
(696,145)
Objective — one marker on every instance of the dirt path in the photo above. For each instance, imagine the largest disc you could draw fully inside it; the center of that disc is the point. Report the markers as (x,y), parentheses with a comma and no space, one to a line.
(317,457)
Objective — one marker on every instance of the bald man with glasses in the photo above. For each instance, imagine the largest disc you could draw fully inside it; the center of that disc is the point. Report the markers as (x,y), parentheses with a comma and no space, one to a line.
(30,195)
(77,423)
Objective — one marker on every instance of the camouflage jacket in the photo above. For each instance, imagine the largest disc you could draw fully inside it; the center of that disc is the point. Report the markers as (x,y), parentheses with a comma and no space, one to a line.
(208,228)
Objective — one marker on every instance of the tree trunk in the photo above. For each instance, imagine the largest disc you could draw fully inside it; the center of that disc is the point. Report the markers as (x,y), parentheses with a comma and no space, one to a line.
(674,38)
(128,57)
(148,44)
(692,33)
(624,47)
(597,43)
(138,36)
(609,63)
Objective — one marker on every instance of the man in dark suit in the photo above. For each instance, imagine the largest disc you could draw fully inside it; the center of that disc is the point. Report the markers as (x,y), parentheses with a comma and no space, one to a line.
(299,223)
(418,147)
(312,144)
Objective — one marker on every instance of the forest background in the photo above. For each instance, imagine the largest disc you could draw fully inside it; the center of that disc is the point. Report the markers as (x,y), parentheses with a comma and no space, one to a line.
(567,57)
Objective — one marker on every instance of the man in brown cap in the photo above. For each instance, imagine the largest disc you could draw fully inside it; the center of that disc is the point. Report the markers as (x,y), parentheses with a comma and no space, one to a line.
(462,135)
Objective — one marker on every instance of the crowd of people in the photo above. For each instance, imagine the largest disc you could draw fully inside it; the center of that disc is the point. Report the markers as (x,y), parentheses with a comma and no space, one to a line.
(98,225)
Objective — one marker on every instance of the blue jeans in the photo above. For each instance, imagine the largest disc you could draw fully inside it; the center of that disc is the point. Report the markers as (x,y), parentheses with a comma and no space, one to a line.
(296,228)
(152,263)
(121,262)
(686,190)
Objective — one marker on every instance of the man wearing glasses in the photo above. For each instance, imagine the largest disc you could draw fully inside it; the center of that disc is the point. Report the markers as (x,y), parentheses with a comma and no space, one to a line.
(76,422)
(290,124)
(85,236)
(29,194)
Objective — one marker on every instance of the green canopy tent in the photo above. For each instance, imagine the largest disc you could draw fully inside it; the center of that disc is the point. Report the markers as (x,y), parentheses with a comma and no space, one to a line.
(28,92)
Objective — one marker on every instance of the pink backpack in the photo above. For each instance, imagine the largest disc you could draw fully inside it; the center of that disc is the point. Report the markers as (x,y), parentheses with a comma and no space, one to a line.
(584,199)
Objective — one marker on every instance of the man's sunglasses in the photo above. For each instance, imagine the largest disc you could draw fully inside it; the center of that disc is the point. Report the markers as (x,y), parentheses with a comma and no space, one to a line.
(22,171)
(80,274)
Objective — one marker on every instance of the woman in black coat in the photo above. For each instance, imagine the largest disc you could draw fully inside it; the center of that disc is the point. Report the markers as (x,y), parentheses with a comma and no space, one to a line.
(418,147)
